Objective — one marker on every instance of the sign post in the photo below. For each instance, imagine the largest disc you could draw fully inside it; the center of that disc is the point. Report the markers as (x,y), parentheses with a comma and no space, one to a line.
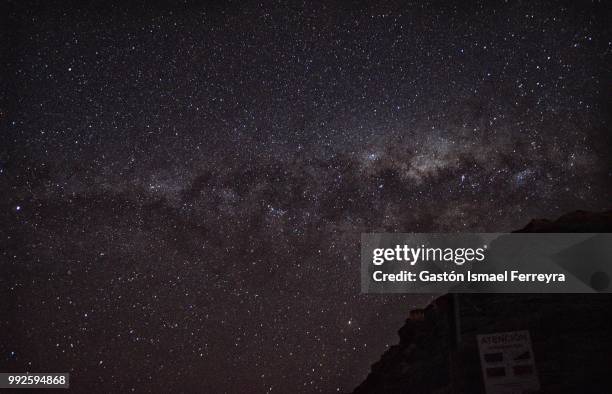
(507,361)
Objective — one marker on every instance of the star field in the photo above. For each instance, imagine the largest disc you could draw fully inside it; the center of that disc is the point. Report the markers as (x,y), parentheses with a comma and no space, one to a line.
(184,186)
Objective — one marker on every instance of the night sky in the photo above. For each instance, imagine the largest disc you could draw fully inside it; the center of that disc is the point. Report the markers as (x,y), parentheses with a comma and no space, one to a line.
(184,187)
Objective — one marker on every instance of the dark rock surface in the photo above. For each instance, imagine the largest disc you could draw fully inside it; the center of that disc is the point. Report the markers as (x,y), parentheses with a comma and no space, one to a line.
(574,222)
(571,335)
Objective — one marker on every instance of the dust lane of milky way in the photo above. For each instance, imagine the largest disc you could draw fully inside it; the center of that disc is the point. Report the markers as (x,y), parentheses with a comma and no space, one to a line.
(184,186)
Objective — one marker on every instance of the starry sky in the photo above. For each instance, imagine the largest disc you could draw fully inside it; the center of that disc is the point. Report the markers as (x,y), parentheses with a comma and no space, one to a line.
(184,186)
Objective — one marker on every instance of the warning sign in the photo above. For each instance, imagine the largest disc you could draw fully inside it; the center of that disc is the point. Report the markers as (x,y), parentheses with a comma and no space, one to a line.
(508,365)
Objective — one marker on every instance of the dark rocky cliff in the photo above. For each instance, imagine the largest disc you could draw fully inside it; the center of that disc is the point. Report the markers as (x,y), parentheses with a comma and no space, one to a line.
(574,222)
(571,335)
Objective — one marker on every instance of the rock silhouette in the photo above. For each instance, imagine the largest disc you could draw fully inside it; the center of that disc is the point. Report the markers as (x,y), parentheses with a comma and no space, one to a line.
(571,334)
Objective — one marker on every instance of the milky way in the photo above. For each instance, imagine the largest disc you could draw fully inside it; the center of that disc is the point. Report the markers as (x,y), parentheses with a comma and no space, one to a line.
(184,187)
